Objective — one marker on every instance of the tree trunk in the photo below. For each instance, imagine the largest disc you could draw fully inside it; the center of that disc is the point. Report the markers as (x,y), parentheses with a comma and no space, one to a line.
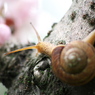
(25,73)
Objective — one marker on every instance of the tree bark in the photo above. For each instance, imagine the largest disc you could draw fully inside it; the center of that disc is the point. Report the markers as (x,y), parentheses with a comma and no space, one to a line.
(26,74)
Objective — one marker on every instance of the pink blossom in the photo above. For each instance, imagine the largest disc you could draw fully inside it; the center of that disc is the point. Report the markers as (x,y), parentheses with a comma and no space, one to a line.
(18,14)
(21,11)
(5,33)
(2,20)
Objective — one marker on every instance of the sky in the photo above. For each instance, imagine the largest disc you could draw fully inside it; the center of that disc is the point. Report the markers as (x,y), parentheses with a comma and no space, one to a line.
(56,8)
(52,12)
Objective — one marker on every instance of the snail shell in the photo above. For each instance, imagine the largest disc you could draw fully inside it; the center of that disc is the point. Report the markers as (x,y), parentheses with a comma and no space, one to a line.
(75,63)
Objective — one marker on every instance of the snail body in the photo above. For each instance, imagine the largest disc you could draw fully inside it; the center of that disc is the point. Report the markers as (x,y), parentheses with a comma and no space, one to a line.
(73,63)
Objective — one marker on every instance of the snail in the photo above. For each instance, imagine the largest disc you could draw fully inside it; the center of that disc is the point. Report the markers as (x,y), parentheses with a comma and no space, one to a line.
(73,63)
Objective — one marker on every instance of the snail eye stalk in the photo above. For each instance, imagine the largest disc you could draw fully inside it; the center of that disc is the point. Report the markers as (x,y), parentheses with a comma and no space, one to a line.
(38,36)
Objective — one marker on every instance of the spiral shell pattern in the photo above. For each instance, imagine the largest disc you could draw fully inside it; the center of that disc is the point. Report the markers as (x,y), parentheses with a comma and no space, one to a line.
(75,63)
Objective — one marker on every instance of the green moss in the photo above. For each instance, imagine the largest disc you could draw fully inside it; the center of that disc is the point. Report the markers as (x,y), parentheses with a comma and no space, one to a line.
(73,15)
(60,42)
(91,21)
(5,93)
(49,32)
(85,16)
(54,24)
(92,5)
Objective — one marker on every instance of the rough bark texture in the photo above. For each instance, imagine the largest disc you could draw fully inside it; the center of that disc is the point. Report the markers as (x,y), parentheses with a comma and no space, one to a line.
(26,74)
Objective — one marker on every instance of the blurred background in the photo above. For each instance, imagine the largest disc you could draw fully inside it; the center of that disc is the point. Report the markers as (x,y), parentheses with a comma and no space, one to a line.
(16,15)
